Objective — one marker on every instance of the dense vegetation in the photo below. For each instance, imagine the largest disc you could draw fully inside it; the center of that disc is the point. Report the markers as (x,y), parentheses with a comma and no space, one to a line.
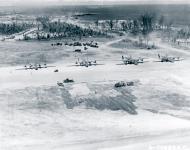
(63,29)
(11,28)
(69,30)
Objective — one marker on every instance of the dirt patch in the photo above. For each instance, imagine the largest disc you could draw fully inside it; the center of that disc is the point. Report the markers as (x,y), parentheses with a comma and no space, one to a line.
(55,98)
(129,44)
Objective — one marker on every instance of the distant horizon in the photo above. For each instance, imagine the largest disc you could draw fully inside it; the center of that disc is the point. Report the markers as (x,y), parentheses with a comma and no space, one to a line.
(91,2)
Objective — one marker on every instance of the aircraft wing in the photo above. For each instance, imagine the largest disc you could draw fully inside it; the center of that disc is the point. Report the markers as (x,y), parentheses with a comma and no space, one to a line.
(74,65)
(84,65)
(163,61)
(35,67)
(171,61)
(143,61)
(23,69)
(95,64)
(121,64)
(46,67)
(28,68)
(157,61)
(179,59)
(133,63)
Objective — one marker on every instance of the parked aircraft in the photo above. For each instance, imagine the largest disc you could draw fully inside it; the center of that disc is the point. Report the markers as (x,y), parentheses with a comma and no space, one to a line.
(35,67)
(86,63)
(128,60)
(167,58)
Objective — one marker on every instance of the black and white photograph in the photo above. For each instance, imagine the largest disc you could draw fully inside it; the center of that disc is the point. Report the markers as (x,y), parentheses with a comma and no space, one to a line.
(94,74)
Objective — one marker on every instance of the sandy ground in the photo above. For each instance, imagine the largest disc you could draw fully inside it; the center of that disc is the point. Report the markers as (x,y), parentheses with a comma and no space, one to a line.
(162,101)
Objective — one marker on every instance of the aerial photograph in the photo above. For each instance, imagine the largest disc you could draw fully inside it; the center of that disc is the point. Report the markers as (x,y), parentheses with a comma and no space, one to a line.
(94,74)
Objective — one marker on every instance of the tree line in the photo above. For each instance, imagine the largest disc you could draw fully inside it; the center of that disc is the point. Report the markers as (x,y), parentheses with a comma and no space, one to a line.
(11,28)
(63,29)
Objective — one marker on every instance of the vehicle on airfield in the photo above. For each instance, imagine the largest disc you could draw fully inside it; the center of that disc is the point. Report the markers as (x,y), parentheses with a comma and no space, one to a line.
(56,70)
(91,44)
(120,84)
(60,84)
(123,84)
(68,80)
(57,44)
(74,44)
(77,44)
(131,83)
(85,48)
(78,50)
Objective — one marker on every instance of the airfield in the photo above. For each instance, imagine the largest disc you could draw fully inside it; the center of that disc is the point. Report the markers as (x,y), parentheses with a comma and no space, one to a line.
(91,113)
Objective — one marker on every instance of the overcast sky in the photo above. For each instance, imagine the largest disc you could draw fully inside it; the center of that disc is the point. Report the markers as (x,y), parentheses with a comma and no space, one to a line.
(67,2)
